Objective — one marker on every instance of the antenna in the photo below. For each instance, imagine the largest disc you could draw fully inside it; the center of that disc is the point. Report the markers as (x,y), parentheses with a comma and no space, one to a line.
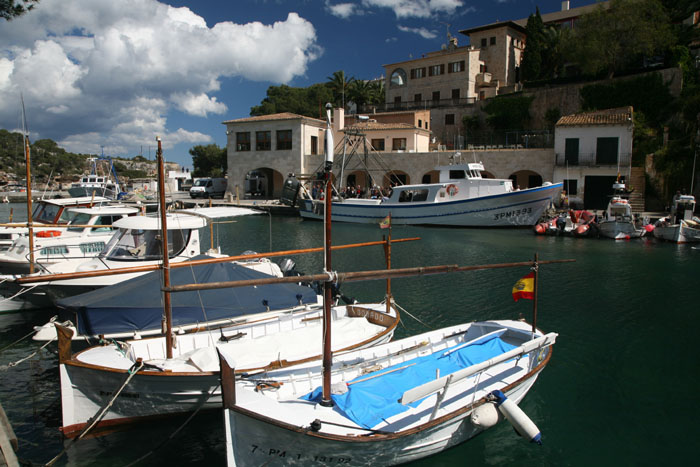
(447,30)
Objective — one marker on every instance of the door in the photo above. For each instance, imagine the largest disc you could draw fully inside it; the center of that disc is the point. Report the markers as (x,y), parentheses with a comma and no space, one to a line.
(597,191)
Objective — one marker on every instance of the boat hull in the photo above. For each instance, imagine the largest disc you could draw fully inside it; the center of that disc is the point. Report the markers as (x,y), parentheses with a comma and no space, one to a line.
(679,233)
(513,209)
(619,230)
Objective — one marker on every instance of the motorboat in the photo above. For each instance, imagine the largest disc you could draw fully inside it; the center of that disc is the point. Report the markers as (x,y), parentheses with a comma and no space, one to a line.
(579,223)
(618,222)
(96,184)
(47,213)
(87,233)
(390,404)
(463,197)
(680,226)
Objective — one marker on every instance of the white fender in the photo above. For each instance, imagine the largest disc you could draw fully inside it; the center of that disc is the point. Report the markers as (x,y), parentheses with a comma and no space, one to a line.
(485,416)
(515,415)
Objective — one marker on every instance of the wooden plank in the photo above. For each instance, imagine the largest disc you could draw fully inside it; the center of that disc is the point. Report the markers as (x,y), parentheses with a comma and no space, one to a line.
(8,440)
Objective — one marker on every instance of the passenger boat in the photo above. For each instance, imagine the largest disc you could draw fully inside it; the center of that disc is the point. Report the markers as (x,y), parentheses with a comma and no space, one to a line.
(461,198)
(618,222)
(179,373)
(98,185)
(680,226)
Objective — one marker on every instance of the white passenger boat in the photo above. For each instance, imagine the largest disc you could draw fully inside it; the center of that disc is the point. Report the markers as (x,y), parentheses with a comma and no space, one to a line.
(461,198)
(95,184)
(618,222)
(681,226)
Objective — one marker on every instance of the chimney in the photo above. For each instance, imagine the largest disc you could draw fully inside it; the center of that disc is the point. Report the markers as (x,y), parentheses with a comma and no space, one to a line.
(565,5)
(338,122)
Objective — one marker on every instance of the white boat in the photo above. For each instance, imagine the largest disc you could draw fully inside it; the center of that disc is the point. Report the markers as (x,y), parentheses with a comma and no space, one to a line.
(461,198)
(76,242)
(95,184)
(681,226)
(618,222)
(391,404)
(46,214)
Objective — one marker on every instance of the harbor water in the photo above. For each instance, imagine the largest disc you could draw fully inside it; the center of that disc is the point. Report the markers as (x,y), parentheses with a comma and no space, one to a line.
(616,390)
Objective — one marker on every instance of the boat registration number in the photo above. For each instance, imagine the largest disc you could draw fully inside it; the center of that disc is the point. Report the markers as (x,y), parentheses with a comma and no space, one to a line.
(298,456)
(513,213)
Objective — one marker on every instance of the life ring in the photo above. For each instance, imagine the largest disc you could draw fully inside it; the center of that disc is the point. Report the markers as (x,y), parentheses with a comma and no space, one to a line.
(452,189)
(48,233)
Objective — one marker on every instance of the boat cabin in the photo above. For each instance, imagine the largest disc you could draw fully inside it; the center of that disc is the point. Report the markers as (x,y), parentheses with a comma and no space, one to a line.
(683,208)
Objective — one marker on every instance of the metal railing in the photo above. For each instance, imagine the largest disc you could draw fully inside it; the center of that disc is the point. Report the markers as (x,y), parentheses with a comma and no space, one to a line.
(417,105)
(593,159)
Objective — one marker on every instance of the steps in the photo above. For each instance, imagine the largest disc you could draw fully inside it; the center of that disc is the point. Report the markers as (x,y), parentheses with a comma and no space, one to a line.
(637,181)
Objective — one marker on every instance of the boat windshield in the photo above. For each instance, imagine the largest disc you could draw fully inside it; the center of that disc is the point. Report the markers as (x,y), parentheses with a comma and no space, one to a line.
(143,245)
(45,213)
(79,219)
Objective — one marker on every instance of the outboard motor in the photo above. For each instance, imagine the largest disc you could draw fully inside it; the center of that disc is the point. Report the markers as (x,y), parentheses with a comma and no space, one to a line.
(288,267)
(290,191)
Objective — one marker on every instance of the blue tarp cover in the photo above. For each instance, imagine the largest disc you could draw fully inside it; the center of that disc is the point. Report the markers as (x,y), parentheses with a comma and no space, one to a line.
(369,402)
(137,304)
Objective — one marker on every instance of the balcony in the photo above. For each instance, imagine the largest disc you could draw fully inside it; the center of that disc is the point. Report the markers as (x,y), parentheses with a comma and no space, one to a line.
(418,105)
(483,79)
(593,159)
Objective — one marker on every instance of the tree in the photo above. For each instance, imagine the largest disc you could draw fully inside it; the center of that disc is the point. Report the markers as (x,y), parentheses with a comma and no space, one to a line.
(610,40)
(339,84)
(10,9)
(209,161)
(302,101)
(531,64)
(508,112)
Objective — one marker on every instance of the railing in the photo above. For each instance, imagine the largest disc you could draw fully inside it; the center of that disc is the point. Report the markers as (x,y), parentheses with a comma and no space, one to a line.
(508,139)
(593,159)
(417,105)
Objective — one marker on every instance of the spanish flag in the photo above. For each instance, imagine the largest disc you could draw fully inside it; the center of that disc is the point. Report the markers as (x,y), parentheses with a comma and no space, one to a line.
(386,222)
(525,287)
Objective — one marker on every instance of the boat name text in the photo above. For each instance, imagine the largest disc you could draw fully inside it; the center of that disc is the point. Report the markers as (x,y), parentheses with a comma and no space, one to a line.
(283,453)
(515,212)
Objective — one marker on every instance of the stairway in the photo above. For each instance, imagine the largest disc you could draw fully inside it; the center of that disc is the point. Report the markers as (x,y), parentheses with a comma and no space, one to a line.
(637,181)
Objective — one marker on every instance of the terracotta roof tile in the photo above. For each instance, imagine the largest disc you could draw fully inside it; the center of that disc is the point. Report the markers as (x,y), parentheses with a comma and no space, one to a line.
(618,116)
(279,116)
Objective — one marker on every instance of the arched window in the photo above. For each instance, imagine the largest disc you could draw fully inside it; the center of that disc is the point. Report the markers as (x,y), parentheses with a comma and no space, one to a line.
(398,77)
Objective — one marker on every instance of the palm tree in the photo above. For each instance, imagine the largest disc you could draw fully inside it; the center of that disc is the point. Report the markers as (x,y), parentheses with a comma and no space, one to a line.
(360,92)
(339,84)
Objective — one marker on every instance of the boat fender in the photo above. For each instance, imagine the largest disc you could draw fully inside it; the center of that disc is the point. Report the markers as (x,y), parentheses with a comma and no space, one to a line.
(485,416)
(515,415)
(452,189)
(541,228)
(582,229)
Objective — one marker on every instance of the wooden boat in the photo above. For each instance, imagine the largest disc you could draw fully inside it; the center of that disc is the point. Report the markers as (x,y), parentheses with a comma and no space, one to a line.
(177,373)
(618,221)
(680,226)
(389,404)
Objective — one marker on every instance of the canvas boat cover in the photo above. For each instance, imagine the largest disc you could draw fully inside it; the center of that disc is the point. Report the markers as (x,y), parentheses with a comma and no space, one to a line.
(137,304)
(372,400)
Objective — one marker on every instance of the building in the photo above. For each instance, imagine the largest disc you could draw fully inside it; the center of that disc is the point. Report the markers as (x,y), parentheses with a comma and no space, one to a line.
(591,149)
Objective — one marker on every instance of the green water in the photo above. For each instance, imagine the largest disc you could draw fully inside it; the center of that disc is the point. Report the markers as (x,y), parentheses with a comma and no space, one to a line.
(615,392)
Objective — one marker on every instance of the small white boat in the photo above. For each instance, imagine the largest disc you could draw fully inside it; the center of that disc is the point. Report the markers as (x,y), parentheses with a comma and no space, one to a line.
(461,198)
(618,222)
(95,184)
(680,226)
(47,212)
(391,404)
(75,243)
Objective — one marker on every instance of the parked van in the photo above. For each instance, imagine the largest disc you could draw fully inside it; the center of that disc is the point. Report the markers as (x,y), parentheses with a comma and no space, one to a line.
(208,188)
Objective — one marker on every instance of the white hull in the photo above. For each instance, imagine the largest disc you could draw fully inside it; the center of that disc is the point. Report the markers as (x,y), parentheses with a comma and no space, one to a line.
(512,209)
(621,230)
(266,428)
(678,233)
(90,378)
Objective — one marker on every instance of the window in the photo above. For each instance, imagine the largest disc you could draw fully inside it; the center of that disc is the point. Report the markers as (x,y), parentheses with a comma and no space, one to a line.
(378,144)
(606,151)
(436,70)
(397,100)
(263,141)
(482,95)
(436,95)
(284,139)
(493,40)
(483,42)
(94,247)
(54,250)
(455,67)
(314,145)
(398,144)
(417,73)
(398,78)
(457,174)
(420,123)
(408,196)
(571,151)
(571,187)
(243,141)
(455,94)
(449,119)
(417,98)
(483,68)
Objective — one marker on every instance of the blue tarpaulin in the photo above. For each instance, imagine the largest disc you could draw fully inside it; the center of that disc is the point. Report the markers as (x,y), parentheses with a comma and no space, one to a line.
(137,304)
(369,402)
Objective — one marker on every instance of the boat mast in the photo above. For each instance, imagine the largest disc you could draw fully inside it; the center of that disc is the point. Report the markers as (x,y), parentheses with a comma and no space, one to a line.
(27,159)
(328,284)
(167,309)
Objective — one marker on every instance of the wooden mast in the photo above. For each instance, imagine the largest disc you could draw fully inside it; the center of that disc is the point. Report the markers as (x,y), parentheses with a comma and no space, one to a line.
(536,269)
(328,284)
(167,308)
(27,161)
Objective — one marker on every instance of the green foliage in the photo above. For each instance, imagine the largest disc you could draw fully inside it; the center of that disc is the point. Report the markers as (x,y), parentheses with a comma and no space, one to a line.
(508,112)
(10,9)
(531,66)
(302,101)
(364,93)
(339,85)
(471,123)
(47,157)
(552,116)
(209,161)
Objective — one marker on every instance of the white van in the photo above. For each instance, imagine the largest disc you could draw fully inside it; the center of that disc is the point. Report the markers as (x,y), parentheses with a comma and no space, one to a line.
(208,188)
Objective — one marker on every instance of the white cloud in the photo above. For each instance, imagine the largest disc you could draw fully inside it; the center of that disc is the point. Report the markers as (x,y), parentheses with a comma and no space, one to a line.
(416,8)
(109,72)
(424,33)
(343,10)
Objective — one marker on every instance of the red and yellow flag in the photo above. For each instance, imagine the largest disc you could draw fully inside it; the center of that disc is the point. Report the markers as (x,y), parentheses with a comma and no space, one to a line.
(525,287)
(386,222)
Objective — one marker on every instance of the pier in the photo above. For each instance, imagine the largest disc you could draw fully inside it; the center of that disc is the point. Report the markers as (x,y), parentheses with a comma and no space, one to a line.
(8,442)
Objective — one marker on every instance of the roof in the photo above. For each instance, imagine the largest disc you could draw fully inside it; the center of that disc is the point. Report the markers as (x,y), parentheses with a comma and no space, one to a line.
(500,24)
(272,117)
(105,210)
(74,201)
(617,116)
(174,221)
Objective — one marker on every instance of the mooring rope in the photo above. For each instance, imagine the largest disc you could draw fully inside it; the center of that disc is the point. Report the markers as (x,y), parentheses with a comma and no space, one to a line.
(403,310)
(12,364)
(23,290)
(100,413)
(174,433)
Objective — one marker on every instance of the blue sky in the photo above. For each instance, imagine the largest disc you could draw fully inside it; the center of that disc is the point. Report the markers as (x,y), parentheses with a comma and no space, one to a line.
(113,74)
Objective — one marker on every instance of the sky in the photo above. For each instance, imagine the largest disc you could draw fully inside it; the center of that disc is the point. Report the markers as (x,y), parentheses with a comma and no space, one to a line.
(108,76)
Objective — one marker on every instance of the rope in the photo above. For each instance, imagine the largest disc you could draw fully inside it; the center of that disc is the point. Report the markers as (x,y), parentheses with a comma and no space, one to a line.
(101,413)
(403,310)
(21,291)
(174,433)
(13,364)
(25,336)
